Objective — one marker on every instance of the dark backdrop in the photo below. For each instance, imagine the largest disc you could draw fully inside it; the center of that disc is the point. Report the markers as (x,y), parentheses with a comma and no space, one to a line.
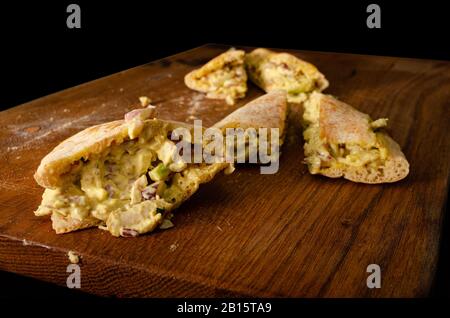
(39,55)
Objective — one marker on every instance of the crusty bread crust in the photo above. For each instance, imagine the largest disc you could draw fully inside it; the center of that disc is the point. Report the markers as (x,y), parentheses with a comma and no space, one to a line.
(341,123)
(256,60)
(95,140)
(267,111)
(92,140)
(81,145)
(229,57)
(394,169)
(64,224)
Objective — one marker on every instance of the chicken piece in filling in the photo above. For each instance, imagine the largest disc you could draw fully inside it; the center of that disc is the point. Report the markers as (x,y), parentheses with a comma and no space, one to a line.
(224,77)
(128,189)
(274,71)
(338,136)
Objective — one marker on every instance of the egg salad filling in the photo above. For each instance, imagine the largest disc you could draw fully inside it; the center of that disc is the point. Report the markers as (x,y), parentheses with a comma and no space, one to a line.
(322,154)
(229,82)
(129,188)
(274,71)
(293,80)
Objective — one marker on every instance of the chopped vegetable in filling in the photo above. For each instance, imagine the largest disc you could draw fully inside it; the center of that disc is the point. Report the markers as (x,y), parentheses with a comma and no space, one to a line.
(228,82)
(284,77)
(129,187)
(322,154)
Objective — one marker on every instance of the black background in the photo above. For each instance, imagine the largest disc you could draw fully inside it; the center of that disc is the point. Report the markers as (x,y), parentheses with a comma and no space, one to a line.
(40,55)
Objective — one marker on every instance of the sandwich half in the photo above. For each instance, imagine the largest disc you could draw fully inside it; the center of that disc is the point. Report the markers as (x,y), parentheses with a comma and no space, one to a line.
(224,77)
(343,142)
(124,176)
(273,71)
(263,115)
(266,111)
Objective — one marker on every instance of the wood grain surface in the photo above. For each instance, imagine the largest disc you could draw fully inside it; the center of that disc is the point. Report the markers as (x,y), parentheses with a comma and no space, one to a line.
(285,235)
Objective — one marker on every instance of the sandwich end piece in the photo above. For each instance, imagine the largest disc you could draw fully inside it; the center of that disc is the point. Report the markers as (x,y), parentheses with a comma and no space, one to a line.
(343,142)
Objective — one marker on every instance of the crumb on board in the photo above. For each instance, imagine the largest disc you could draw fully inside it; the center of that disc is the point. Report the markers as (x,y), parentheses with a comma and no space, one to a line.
(166,224)
(145,101)
(173,247)
(191,117)
(73,257)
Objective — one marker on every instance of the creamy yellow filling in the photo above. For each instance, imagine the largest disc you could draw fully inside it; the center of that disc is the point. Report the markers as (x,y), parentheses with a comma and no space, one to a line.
(228,82)
(281,76)
(322,154)
(115,187)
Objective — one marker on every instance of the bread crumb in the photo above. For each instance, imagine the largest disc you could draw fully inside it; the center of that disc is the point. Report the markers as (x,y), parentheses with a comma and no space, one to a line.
(73,257)
(192,117)
(229,100)
(229,169)
(166,224)
(173,247)
(145,101)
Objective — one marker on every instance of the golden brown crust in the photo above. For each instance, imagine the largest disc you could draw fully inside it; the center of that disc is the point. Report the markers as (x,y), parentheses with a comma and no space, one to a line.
(92,140)
(260,59)
(340,123)
(95,140)
(229,57)
(395,168)
(267,111)
(81,145)
(224,77)
(64,224)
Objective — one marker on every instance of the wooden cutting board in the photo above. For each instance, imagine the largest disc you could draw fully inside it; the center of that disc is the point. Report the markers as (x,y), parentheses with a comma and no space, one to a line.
(289,234)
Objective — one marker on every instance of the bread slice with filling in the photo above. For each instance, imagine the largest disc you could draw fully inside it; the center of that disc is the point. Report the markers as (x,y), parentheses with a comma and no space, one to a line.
(274,71)
(340,141)
(224,77)
(122,175)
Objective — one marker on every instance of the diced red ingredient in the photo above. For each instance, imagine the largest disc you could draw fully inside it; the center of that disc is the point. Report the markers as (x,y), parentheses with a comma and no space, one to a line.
(149,192)
(129,232)
(110,190)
